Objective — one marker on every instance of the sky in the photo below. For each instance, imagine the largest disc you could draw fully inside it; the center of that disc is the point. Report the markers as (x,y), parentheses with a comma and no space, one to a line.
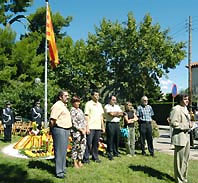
(170,14)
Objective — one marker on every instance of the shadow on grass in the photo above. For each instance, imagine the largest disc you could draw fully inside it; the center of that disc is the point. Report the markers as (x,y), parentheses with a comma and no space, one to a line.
(37,164)
(152,172)
(164,143)
(2,139)
(16,174)
(165,136)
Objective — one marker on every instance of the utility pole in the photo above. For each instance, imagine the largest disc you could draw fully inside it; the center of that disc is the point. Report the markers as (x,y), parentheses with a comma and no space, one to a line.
(189,63)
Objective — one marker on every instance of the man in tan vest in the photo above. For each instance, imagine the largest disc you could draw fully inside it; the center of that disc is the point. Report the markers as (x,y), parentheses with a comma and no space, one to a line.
(180,121)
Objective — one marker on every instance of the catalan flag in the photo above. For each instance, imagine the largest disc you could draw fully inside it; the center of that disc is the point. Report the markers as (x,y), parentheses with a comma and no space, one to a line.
(53,52)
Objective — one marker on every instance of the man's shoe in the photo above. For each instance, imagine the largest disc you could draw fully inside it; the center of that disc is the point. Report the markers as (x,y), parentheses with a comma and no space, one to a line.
(97,161)
(143,154)
(86,161)
(152,154)
(110,157)
(60,176)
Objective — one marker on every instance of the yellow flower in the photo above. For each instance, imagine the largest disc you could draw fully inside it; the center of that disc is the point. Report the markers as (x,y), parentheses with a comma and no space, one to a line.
(34,125)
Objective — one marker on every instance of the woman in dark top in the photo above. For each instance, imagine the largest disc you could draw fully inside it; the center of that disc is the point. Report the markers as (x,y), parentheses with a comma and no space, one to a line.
(129,119)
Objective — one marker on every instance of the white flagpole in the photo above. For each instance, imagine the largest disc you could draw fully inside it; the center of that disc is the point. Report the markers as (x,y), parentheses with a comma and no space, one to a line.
(45,115)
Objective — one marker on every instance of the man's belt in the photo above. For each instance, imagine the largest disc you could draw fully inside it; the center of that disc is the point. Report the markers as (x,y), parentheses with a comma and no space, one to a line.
(141,121)
(112,122)
(180,130)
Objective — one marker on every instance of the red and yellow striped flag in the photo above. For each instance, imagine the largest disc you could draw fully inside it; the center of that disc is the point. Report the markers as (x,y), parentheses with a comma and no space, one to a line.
(53,51)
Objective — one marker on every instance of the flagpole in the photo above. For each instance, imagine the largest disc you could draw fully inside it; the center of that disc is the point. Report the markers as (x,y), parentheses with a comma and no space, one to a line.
(45,115)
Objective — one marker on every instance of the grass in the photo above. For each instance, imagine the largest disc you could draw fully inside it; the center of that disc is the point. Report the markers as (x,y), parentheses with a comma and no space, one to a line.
(137,169)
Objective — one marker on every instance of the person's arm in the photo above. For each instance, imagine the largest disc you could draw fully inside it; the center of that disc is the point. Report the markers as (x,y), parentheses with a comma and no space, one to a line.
(135,118)
(102,124)
(138,114)
(52,122)
(115,114)
(13,115)
(87,109)
(33,114)
(87,124)
(127,119)
(152,113)
(6,117)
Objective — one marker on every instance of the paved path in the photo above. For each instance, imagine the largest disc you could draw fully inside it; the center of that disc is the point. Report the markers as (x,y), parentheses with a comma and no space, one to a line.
(162,144)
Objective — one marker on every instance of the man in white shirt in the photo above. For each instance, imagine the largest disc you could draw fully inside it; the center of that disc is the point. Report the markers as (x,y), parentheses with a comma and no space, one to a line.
(113,114)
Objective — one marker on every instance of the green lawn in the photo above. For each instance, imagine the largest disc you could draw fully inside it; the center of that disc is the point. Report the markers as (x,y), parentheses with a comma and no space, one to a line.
(137,169)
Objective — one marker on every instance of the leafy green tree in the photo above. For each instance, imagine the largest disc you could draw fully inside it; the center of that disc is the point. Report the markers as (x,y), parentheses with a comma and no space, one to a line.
(136,56)
(7,65)
(123,59)
(21,63)
(10,8)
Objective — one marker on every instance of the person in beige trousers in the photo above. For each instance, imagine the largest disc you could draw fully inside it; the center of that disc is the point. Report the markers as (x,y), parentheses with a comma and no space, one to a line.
(181,124)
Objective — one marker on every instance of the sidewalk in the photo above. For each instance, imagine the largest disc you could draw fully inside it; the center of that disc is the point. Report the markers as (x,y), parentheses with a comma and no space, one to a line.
(162,144)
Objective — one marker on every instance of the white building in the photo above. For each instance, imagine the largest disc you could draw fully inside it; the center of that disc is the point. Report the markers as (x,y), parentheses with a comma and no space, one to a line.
(194,67)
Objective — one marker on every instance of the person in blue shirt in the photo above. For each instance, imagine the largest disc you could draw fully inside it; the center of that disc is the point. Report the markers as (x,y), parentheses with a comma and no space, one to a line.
(144,114)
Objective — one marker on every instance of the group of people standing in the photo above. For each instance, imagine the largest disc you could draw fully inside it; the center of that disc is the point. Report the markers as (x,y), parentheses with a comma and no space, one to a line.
(86,128)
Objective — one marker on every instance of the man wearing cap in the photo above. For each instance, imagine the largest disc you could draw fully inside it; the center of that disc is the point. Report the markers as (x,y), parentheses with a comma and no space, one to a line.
(8,120)
(37,113)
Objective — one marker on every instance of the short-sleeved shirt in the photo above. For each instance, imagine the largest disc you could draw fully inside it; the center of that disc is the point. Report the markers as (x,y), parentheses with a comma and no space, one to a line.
(145,113)
(112,108)
(94,111)
(61,114)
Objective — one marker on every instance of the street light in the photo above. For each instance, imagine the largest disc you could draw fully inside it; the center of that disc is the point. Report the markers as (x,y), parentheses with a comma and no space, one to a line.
(37,80)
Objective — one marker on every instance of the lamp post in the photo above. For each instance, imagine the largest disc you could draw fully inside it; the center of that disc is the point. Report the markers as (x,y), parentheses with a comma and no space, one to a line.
(37,80)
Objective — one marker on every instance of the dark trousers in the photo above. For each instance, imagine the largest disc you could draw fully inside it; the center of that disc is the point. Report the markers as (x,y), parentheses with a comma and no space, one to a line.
(191,139)
(113,137)
(92,145)
(8,133)
(146,133)
(60,141)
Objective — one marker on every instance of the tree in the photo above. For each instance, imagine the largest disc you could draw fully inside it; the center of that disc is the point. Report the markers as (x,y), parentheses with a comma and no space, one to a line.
(10,8)
(23,61)
(7,66)
(123,59)
(136,56)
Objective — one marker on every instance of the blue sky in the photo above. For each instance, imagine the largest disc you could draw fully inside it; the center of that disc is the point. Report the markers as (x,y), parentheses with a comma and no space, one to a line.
(172,14)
